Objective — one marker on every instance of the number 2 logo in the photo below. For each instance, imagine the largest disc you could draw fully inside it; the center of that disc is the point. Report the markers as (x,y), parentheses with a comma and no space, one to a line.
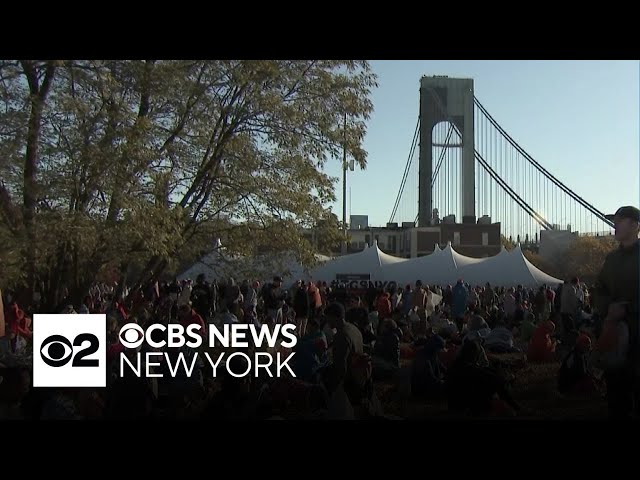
(56,351)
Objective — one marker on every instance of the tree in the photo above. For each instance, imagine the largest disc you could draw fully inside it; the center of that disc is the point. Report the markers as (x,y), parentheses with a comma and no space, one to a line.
(583,259)
(507,242)
(140,164)
(586,255)
(547,267)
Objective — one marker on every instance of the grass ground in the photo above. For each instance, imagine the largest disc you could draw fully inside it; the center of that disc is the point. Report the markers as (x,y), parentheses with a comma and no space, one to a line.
(534,388)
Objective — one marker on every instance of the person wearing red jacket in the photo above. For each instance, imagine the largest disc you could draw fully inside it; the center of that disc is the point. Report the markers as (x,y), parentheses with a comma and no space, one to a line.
(188,316)
(542,348)
(19,323)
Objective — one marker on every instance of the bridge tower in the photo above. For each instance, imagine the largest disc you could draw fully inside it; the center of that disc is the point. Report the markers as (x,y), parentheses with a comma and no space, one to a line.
(445,99)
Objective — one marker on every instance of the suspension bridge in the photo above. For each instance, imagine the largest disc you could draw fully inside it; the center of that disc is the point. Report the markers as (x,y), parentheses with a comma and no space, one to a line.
(463,165)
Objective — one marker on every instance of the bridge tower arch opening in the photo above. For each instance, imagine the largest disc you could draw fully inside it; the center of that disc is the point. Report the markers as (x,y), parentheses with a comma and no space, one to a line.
(446,184)
(444,99)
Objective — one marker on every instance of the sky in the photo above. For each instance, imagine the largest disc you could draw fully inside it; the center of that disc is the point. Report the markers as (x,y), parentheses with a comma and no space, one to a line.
(579,119)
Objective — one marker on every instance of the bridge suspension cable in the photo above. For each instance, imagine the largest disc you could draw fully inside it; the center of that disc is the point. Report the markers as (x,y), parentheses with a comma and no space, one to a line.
(540,168)
(407,167)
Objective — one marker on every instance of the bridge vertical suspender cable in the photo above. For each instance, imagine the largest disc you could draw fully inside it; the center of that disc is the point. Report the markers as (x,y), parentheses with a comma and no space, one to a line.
(543,222)
(541,169)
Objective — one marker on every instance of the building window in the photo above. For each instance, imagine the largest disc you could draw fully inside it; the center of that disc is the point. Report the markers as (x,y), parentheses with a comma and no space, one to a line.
(485,239)
(456,238)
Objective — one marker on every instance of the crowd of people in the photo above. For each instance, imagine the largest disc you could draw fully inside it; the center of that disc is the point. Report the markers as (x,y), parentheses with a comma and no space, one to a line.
(347,341)
(436,343)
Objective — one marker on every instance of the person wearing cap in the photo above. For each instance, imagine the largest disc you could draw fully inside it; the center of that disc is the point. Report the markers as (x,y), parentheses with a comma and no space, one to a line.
(616,297)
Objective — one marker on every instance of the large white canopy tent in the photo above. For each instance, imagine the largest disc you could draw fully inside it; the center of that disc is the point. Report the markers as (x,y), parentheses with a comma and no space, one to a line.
(442,267)
(218,266)
(507,269)
(369,261)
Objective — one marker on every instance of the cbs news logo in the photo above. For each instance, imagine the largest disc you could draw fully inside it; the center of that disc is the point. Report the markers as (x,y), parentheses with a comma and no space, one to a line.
(69,350)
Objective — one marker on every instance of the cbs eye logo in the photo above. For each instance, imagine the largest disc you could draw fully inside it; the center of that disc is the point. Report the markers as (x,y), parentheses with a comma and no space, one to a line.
(131,335)
(57,351)
(69,350)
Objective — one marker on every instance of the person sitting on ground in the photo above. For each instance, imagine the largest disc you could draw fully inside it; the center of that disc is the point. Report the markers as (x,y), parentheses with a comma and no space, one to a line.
(358,315)
(500,339)
(188,316)
(347,342)
(521,311)
(477,328)
(451,349)
(348,379)
(310,353)
(474,388)
(542,348)
(387,347)
(436,319)
(575,375)
(225,317)
(19,323)
(427,371)
(527,327)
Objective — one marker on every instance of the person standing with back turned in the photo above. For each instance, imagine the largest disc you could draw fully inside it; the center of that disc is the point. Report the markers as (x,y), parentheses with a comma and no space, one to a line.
(616,296)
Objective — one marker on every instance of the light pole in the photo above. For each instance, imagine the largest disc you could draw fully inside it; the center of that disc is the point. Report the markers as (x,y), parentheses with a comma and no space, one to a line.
(345,165)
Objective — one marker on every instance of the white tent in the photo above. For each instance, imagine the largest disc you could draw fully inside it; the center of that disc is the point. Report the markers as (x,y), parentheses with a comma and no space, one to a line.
(507,269)
(439,268)
(216,265)
(369,262)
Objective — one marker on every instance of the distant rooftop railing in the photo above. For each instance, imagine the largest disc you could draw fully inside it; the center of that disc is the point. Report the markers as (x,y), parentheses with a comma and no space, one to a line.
(595,234)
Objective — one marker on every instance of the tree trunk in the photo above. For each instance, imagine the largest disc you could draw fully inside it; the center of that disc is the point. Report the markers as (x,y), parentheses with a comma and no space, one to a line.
(124,273)
(38,94)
